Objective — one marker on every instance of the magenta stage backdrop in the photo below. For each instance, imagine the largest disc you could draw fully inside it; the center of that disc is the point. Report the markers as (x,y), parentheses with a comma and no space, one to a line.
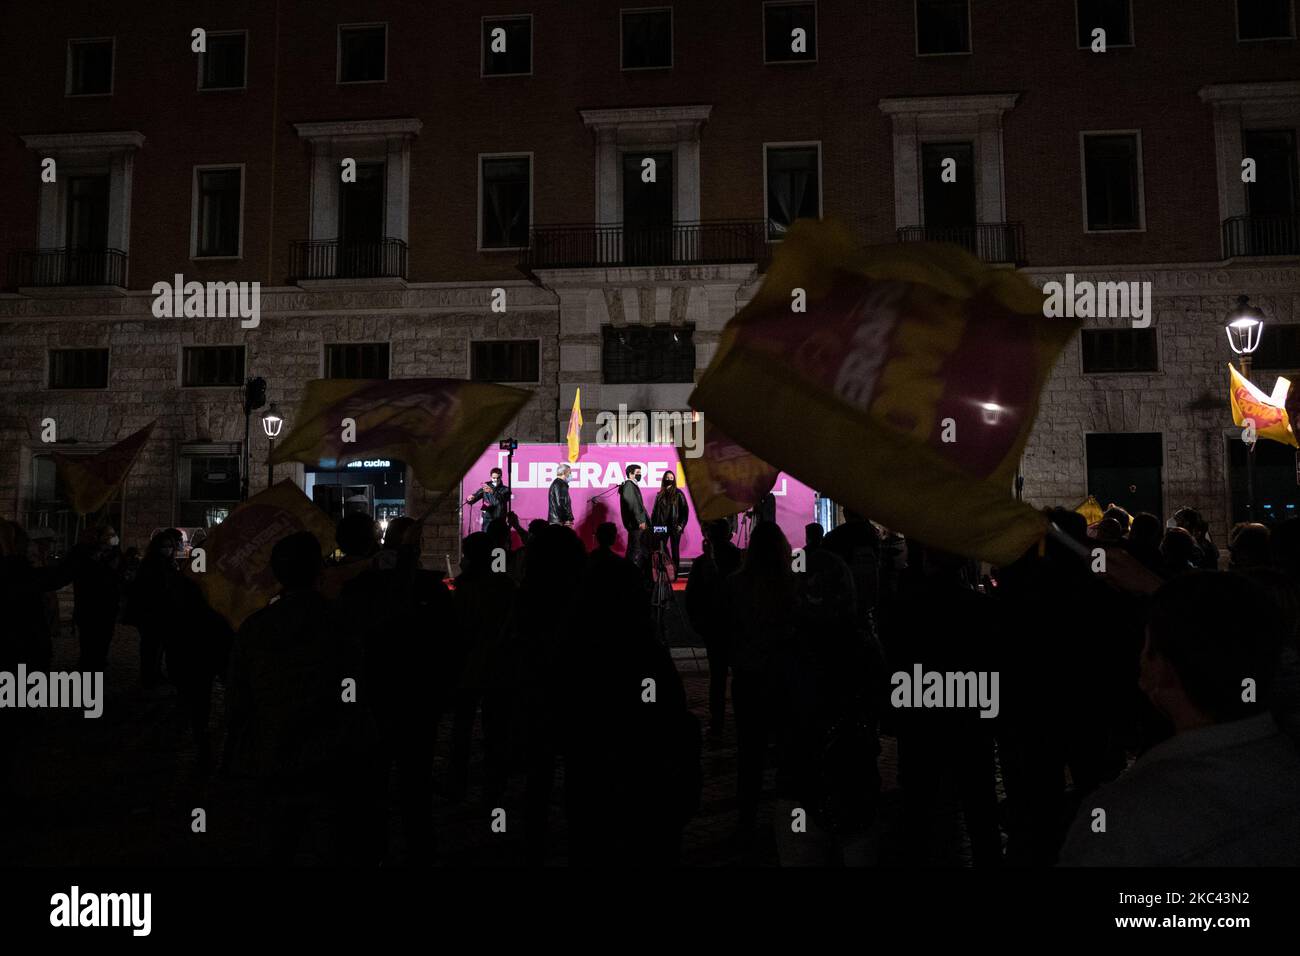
(593,487)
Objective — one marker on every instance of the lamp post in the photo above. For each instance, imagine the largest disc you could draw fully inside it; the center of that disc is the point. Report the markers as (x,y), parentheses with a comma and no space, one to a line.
(254,398)
(1244,326)
(271,424)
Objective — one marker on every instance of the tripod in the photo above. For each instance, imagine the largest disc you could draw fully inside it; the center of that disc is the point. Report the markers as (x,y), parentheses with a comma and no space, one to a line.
(662,572)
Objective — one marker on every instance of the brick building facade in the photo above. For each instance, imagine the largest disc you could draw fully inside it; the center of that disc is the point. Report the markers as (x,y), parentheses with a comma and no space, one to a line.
(502,145)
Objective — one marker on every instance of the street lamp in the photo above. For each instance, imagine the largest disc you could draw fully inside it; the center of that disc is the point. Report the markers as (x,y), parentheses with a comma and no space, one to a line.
(271,424)
(1244,326)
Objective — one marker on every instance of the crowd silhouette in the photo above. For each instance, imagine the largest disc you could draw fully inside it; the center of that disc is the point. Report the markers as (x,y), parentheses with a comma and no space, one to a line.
(1176,714)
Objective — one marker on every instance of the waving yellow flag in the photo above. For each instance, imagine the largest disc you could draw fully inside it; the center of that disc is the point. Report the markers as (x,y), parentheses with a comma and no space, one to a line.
(901,380)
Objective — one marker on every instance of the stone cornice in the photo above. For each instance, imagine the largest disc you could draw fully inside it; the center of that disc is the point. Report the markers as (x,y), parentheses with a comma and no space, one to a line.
(1249,92)
(72,142)
(290,301)
(643,116)
(359,129)
(949,105)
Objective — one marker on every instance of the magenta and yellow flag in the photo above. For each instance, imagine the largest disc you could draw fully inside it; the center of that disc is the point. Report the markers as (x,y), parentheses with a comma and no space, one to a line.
(725,479)
(437,426)
(90,481)
(575,426)
(238,579)
(1266,412)
(901,381)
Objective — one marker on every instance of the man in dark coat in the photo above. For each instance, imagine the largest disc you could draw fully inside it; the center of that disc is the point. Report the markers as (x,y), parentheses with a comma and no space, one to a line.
(635,520)
(559,507)
(495,497)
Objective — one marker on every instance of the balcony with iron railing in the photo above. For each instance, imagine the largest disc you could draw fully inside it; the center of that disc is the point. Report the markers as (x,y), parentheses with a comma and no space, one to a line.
(44,268)
(719,242)
(996,242)
(1261,236)
(340,259)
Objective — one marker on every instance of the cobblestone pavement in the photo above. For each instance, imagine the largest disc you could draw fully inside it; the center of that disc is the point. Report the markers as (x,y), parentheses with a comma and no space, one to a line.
(120,790)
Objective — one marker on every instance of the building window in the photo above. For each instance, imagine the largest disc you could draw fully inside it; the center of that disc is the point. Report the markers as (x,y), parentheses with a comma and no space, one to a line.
(505,200)
(1265,20)
(793,176)
(789,32)
(948,203)
(507,46)
(223,65)
(647,39)
(363,50)
(90,67)
(207,366)
(1119,350)
(648,355)
(357,360)
(79,368)
(942,26)
(218,202)
(505,361)
(1276,188)
(1113,181)
(1113,16)
(1279,348)
(209,486)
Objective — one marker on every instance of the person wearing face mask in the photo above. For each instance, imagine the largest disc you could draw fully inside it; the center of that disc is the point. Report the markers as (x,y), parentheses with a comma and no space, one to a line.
(635,520)
(495,497)
(670,511)
(97,594)
(1224,789)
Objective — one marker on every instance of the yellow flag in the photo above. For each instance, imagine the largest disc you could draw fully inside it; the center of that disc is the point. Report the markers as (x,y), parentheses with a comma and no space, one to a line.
(238,579)
(901,381)
(725,479)
(1267,413)
(1090,508)
(439,427)
(90,481)
(575,426)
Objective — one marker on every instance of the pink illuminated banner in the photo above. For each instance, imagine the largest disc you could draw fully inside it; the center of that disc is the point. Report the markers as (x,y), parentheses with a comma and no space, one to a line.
(593,487)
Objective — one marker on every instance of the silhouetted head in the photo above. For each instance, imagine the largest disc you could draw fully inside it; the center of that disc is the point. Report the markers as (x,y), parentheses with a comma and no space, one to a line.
(476,552)
(403,535)
(357,535)
(1071,522)
(1145,531)
(498,532)
(555,559)
(1286,544)
(296,561)
(1178,548)
(163,544)
(606,534)
(1122,517)
(768,552)
(536,525)
(1108,529)
(1208,633)
(812,536)
(826,591)
(717,532)
(1249,546)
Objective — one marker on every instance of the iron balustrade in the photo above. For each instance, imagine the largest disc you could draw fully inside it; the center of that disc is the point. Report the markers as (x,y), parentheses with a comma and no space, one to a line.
(1261,236)
(1001,242)
(338,259)
(71,267)
(717,242)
